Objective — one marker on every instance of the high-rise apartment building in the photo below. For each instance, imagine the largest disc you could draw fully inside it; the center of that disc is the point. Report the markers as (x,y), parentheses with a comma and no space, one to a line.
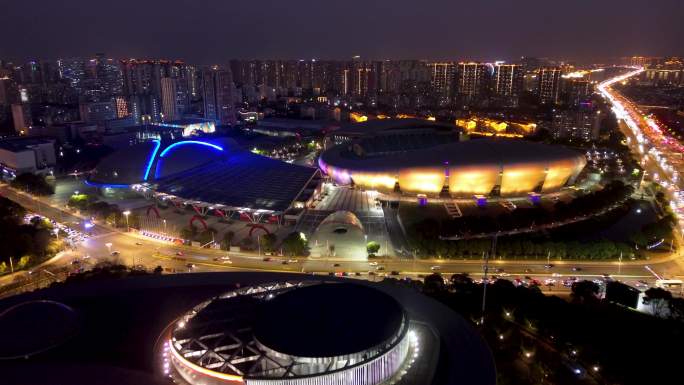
(442,79)
(219,95)
(21,115)
(507,79)
(577,91)
(549,84)
(169,96)
(577,123)
(471,79)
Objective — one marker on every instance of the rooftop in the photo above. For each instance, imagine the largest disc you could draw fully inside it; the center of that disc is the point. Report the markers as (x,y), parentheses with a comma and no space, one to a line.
(377,125)
(471,152)
(21,144)
(242,180)
(328,320)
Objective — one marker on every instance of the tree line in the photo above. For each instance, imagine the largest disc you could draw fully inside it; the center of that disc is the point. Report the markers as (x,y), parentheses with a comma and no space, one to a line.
(425,237)
(24,243)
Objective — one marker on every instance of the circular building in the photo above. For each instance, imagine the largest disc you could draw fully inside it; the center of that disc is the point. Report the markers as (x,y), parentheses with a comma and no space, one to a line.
(340,233)
(293,334)
(415,161)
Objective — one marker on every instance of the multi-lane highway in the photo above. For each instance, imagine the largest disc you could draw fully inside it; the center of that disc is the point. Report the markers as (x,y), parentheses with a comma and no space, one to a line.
(659,154)
(133,249)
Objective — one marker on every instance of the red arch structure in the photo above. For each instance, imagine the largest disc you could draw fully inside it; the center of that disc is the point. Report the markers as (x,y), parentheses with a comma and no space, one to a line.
(154,208)
(256,226)
(198,218)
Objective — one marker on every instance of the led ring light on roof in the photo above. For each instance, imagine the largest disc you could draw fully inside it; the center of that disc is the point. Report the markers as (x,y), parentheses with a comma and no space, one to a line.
(167,149)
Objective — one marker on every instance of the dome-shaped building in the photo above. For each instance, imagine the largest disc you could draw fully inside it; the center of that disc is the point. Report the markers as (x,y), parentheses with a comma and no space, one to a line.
(294,335)
(415,160)
(339,234)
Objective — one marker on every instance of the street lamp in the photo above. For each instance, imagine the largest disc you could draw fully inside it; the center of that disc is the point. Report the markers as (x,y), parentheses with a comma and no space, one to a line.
(126,214)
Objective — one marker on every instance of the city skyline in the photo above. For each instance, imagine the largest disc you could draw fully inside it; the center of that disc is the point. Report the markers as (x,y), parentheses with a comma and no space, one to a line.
(383,30)
(213,192)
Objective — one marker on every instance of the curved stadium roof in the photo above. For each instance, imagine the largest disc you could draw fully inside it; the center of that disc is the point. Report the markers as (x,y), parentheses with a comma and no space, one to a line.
(213,171)
(466,153)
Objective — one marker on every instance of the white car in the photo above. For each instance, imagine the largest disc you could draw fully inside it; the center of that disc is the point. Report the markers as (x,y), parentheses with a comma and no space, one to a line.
(433,268)
(224,259)
(373,263)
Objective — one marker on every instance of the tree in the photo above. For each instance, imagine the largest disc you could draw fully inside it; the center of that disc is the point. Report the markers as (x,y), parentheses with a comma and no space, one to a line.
(434,283)
(659,301)
(585,292)
(227,240)
(676,308)
(206,236)
(461,281)
(295,244)
(372,247)
(23,262)
(188,233)
(246,243)
(34,184)
(268,242)
(80,201)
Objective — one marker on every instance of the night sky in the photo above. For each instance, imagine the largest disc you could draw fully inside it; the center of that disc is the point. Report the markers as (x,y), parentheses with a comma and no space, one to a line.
(213,31)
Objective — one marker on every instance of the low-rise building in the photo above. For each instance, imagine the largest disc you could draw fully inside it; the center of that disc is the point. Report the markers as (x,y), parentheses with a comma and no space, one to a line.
(26,155)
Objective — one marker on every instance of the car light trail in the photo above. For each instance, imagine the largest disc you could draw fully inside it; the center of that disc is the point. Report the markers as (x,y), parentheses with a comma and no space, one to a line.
(652,142)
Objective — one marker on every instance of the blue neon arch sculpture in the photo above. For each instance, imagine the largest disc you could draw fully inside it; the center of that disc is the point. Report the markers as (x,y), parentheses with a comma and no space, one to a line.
(170,148)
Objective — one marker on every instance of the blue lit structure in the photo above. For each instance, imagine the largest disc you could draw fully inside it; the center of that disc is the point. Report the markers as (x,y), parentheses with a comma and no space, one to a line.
(216,172)
(167,150)
(106,185)
(157,144)
(186,142)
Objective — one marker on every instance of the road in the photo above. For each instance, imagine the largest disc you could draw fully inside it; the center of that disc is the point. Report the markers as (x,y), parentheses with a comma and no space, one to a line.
(661,159)
(659,154)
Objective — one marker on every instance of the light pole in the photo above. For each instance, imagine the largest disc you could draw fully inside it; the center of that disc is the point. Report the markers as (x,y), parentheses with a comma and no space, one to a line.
(486,256)
(620,264)
(259,243)
(126,214)
(164,226)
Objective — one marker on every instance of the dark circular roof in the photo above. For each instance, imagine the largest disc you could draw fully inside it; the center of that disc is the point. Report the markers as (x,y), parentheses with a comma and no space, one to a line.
(328,320)
(33,327)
